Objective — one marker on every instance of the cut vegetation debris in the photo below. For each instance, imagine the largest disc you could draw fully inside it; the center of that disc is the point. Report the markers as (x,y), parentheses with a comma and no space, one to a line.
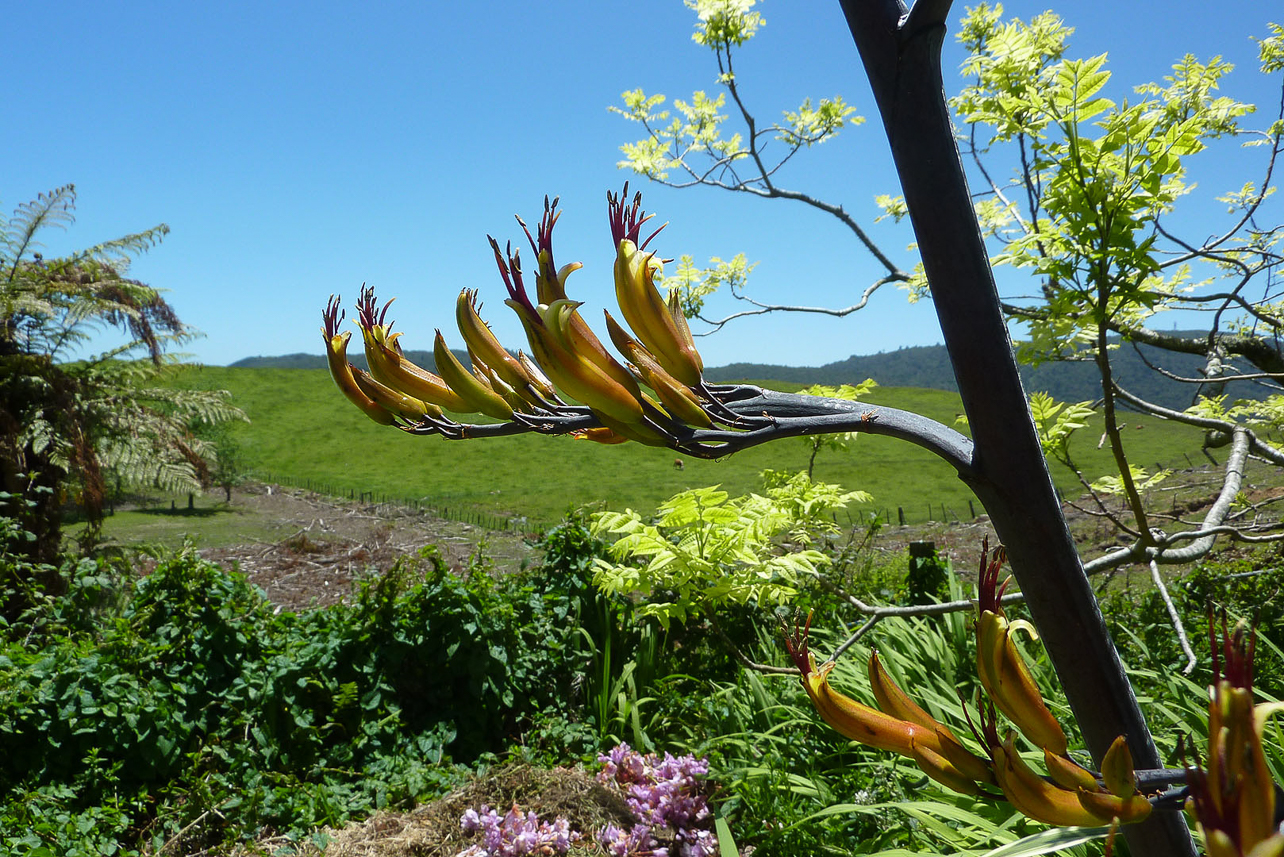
(433,830)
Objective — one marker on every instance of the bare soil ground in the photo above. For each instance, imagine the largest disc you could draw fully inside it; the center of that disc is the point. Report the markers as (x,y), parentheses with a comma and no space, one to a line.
(327,544)
(324,544)
(321,545)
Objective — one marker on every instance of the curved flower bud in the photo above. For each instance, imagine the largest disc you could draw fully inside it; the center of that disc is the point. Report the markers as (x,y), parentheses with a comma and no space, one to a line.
(897,703)
(1233,798)
(476,393)
(484,347)
(554,342)
(580,378)
(407,407)
(647,313)
(1117,770)
(881,730)
(679,399)
(563,318)
(600,434)
(1001,667)
(390,366)
(1050,803)
(336,352)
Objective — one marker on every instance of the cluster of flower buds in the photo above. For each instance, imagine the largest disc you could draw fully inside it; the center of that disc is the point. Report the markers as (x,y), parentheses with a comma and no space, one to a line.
(1234,799)
(569,384)
(1070,795)
(654,397)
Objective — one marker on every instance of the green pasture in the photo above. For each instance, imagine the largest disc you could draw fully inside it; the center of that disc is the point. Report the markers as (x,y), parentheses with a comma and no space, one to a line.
(302,429)
(211,523)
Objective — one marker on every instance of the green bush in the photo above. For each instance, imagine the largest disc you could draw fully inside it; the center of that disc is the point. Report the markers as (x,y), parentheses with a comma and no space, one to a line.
(133,708)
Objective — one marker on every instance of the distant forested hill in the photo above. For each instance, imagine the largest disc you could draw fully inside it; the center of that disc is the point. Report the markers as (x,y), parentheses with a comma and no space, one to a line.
(317,361)
(291,361)
(922,366)
(929,366)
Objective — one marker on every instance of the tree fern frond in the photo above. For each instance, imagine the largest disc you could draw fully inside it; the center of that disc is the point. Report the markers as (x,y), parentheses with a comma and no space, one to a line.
(55,208)
(176,477)
(75,420)
(90,310)
(119,251)
(115,367)
(138,466)
(213,410)
(24,303)
(119,354)
(179,408)
(38,435)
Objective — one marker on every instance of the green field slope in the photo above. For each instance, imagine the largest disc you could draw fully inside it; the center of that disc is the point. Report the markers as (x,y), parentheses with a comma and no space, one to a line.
(303,429)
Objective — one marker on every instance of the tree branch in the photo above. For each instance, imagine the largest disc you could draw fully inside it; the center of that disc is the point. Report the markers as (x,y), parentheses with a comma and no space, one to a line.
(766,308)
(743,659)
(1173,616)
(749,415)
(1257,350)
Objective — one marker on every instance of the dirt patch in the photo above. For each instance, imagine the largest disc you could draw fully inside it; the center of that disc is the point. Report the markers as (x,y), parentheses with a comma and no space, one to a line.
(327,544)
(959,542)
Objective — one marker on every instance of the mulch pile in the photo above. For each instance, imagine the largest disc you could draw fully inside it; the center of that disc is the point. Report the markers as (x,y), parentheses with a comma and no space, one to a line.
(433,830)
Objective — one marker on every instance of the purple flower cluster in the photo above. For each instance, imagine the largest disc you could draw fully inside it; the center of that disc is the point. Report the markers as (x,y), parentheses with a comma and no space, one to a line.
(663,794)
(515,834)
(634,842)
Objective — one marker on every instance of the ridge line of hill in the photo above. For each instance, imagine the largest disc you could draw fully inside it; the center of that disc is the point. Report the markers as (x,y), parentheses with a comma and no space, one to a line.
(926,366)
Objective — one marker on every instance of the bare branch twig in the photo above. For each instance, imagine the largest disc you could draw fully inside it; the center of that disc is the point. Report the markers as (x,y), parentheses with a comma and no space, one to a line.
(1158,580)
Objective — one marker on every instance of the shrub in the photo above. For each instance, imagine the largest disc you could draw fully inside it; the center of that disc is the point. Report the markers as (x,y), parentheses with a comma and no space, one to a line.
(195,695)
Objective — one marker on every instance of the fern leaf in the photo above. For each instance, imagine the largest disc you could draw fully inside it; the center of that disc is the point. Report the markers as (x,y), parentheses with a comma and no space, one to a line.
(55,208)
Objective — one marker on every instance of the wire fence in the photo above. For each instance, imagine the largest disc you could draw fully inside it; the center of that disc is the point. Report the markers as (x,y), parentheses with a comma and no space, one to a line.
(437,507)
(924,513)
(956,513)
(442,507)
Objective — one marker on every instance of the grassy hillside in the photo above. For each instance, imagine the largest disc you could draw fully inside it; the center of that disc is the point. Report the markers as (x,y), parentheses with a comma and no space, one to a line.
(303,429)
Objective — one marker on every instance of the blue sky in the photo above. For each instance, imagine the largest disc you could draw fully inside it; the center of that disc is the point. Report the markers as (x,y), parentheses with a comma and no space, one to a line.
(301,149)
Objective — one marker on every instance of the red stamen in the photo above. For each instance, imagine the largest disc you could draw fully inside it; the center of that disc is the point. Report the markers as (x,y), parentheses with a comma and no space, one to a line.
(332,316)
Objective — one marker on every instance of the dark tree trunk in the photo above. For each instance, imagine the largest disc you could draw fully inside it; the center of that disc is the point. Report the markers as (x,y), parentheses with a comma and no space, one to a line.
(901,54)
